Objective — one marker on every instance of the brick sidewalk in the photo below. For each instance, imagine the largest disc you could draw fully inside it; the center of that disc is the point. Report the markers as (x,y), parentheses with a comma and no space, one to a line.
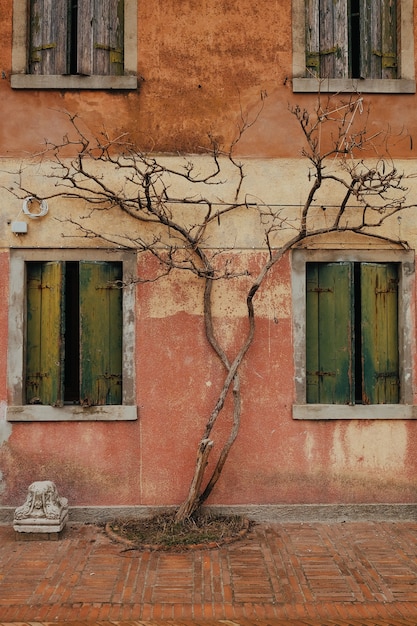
(293,573)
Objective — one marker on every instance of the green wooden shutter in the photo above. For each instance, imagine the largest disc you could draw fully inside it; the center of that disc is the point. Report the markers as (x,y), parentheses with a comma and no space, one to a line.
(378,39)
(48,52)
(379,309)
(44,372)
(327,38)
(100,37)
(100,333)
(329,341)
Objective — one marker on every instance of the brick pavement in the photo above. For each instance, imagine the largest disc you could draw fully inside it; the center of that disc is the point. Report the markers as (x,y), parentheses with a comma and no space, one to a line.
(353,573)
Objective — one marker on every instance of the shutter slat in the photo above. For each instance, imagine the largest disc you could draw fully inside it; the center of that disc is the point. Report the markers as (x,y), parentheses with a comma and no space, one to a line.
(100,333)
(313,36)
(389,61)
(379,297)
(85,17)
(44,333)
(340,39)
(369,37)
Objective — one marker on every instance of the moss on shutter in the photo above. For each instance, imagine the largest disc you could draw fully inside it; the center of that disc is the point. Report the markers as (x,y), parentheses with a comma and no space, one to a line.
(100,333)
(48,51)
(379,295)
(44,333)
(329,350)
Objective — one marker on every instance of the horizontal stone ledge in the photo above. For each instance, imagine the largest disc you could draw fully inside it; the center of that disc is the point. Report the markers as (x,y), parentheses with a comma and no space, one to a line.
(265,513)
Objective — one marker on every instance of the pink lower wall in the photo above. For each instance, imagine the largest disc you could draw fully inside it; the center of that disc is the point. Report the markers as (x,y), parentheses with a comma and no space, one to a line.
(150,461)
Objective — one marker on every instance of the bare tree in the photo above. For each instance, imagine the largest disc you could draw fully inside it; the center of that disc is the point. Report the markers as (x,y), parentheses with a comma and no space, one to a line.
(156,191)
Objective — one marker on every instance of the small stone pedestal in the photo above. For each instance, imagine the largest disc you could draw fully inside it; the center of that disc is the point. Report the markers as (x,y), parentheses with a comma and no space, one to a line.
(43,514)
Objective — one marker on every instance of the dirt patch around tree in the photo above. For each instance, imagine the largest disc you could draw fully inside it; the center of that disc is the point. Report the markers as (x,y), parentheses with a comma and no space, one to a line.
(162,532)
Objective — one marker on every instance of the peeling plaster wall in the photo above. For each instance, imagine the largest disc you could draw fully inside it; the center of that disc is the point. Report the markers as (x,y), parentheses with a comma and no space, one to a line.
(203,67)
(276,459)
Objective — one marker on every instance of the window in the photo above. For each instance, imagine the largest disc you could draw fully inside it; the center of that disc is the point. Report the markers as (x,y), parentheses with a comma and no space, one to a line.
(75,44)
(71,336)
(76,37)
(74,333)
(353,39)
(353,45)
(353,333)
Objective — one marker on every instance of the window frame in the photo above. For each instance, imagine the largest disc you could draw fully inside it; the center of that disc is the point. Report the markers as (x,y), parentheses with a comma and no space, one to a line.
(406,340)
(21,79)
(16,409)
(405,84)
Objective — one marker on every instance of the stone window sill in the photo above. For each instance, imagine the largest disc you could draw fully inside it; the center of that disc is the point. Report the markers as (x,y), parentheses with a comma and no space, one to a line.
(31,81)
(348,85)
(359,411)
(71,413)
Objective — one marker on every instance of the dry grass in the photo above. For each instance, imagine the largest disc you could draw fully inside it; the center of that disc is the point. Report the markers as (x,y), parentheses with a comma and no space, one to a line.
(162,530)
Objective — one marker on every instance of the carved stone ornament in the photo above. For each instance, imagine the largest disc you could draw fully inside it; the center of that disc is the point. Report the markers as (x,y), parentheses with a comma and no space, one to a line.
(43,510)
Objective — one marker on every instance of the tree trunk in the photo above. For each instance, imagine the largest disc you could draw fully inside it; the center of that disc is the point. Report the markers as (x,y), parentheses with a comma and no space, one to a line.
(191,503)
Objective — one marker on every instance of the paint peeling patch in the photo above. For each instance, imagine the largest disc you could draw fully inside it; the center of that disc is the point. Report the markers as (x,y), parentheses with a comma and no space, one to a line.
(5,426)
(381,445)
(309,446)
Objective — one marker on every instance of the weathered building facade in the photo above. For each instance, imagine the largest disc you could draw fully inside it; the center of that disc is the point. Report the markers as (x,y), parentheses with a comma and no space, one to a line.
(172,74)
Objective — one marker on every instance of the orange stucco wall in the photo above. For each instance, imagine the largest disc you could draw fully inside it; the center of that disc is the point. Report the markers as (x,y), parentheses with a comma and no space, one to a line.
(202,65)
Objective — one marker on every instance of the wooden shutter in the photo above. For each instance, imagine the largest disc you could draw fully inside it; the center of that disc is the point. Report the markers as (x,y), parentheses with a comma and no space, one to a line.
(100,333)
(100,37)
(327,38)
(329,341)
(379,309)
(44,371)
(378,39)
(48,52)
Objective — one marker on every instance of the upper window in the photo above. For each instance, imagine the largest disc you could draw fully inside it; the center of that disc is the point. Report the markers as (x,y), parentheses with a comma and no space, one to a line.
(353,44)
(353,334)
(353,39)
(71,336)
(76,37)
(75,44)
